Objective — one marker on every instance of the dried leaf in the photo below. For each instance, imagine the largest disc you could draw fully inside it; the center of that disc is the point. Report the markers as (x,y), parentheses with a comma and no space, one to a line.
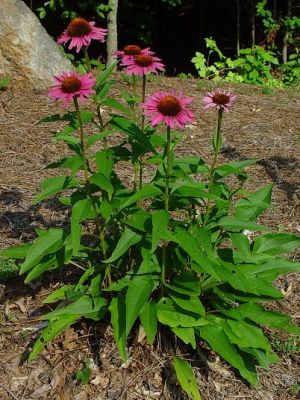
(21,304)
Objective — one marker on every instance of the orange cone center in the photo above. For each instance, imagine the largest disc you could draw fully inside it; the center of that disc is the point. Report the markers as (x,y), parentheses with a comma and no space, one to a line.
(79,27)
(71,84)
(221,98)
(169,105)
(132,50)
(143,60)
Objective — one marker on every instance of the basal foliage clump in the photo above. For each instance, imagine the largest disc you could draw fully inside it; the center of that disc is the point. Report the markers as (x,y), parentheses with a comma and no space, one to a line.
(172,251)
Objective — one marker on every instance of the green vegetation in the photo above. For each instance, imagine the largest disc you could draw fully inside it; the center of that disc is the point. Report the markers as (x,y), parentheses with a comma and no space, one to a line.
(286,346)
(8,269)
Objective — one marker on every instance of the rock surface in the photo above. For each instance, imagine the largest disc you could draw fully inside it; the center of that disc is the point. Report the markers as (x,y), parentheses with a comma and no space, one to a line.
(27,52)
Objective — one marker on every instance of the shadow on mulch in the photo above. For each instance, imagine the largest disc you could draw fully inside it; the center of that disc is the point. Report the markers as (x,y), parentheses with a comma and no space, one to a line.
(273,167)
(25,222)
(11,197)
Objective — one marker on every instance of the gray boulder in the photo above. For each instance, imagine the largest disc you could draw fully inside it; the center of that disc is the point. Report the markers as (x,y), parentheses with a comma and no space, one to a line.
(27,53)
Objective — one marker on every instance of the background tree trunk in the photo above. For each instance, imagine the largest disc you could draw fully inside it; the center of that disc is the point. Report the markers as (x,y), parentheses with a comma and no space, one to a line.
(112,25)
(286,33)
(253,30)
(238,18)
(275,9)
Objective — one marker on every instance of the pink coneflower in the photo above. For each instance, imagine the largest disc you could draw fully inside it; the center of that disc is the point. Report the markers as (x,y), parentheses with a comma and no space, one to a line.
(142,64)
(219,100)
(80,32)
(71,85)
(169,108)
(130,51)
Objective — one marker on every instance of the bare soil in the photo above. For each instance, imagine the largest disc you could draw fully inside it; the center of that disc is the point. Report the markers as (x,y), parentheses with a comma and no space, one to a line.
(263,127)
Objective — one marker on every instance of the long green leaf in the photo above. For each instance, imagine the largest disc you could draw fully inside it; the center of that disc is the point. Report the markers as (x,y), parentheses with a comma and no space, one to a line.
(255,312)
(186,378)
(160,219)
(272,268)
(128,239)
(192,189)
(54,328)
(246,282)
(49,243)
(87,306)
(138,292)
(276,243)
(59,294)
(96,137)
(191,246)
(246,335)
(241,242)
(148,317)
(235,167)
(188,303)
(102,182)
(236,276)
(103,91)
(255,204)
(80,211)
(103,75)
(219,342)
(17,252)
(145,192)
(133,131)
(118,312)
(170,314)
(186,283)
(54,185)
(187,335)
(104,163)
(73,163)
(113,103)
(239,224)
(140,220)
(48,263)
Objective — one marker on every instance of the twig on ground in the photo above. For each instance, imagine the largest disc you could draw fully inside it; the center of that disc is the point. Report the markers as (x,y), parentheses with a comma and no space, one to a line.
(9,392)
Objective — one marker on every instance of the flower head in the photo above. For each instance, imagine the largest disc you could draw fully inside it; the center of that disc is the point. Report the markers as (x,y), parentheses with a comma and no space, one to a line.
(219,100)
(80,32)
(70,85)
(142,63)
(170,108)
(130,51)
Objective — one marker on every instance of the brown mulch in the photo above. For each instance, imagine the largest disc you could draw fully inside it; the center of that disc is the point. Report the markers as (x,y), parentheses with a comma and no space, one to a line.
(263,127)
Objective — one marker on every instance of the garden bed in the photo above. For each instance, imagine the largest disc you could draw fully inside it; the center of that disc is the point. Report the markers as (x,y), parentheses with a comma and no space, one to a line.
(261,126)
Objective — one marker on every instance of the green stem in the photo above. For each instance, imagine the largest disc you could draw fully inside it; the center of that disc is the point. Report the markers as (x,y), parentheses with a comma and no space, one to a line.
(82,141)
(167,197)
(163,269)
(87,59)
(142,128)
(143,100)
(101,125)
(168,168)
(134,96)
(217,144)
(134,84)
(86,178)
(85,160)
(135,176)
(141,173)
(107,267)
(135,163)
